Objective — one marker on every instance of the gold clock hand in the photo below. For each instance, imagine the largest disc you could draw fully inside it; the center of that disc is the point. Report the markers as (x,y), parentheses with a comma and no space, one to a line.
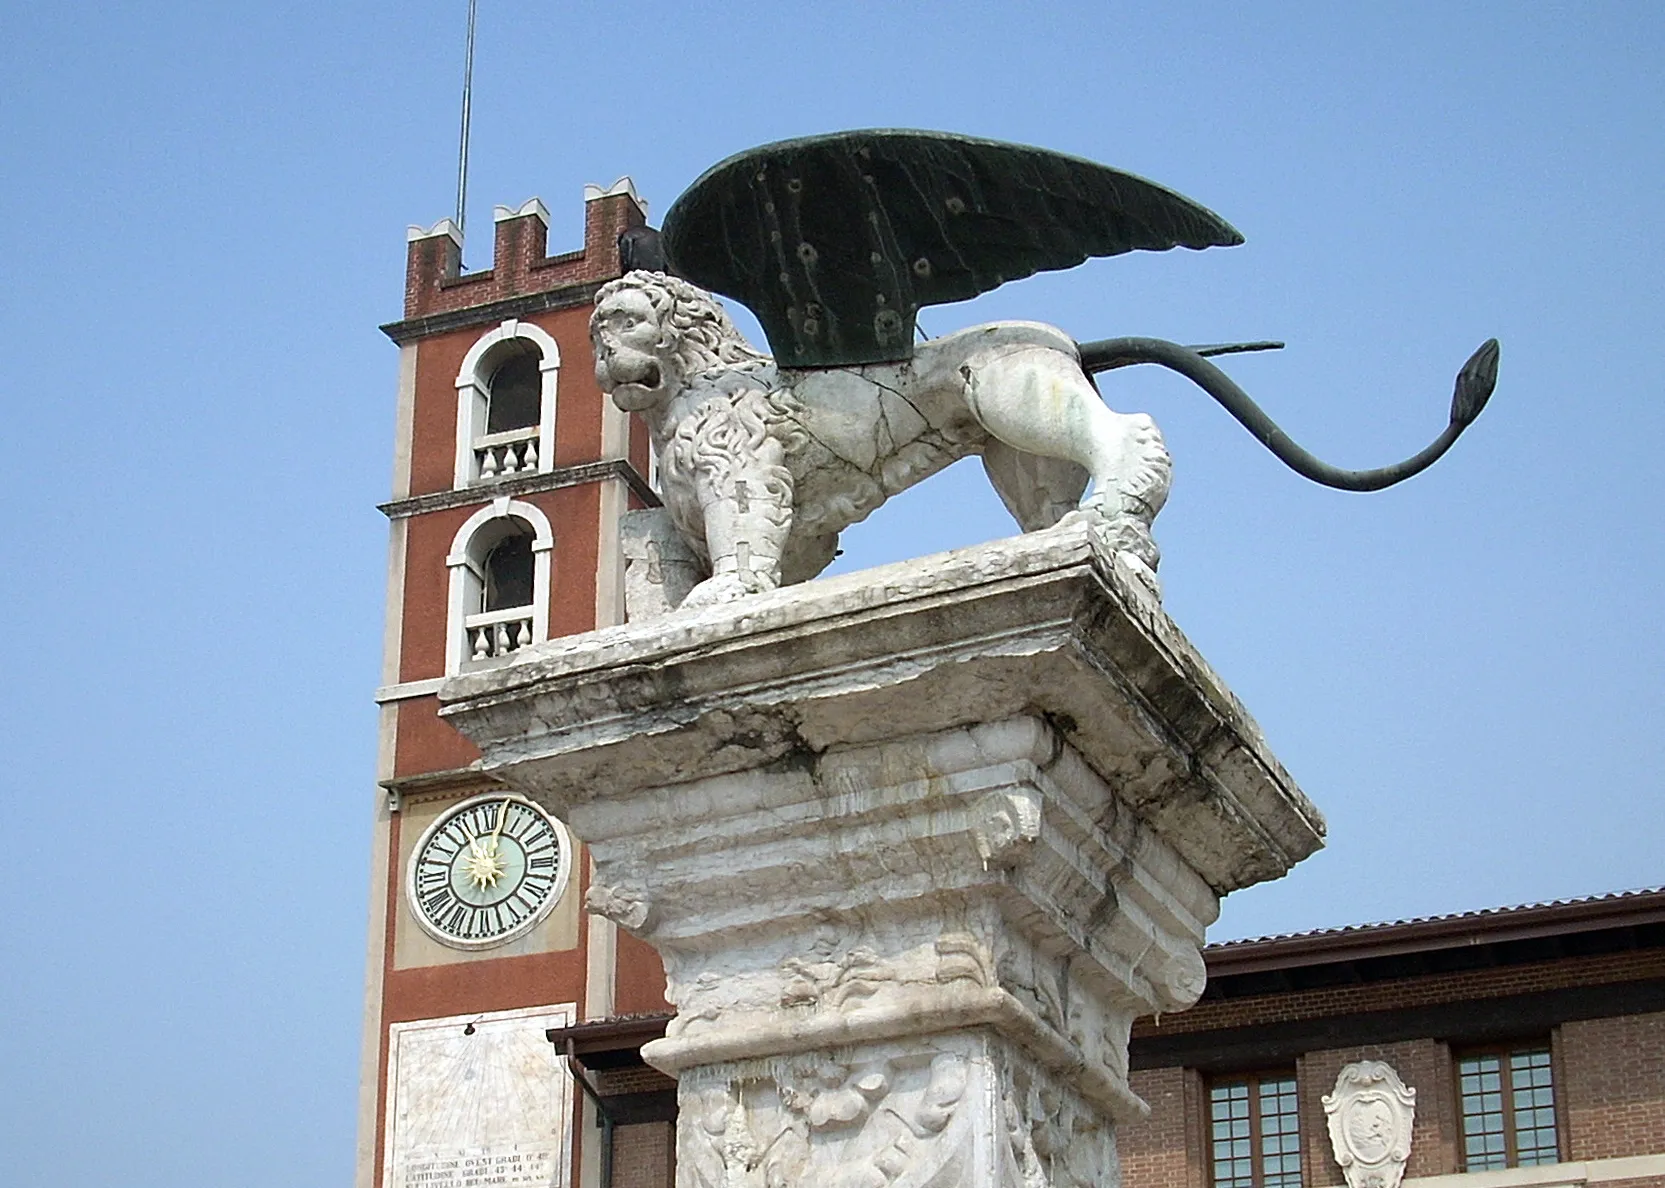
(502,815)
(481,866)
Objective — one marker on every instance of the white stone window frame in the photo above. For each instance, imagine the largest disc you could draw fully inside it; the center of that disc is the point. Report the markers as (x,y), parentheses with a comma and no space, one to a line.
(468,577)
(474,396)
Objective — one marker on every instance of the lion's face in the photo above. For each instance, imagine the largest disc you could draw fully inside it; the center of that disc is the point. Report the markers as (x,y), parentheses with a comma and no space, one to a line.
(635,362)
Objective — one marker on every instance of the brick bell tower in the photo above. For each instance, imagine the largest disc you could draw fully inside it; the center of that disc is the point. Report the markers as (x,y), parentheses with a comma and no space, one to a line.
(510,473)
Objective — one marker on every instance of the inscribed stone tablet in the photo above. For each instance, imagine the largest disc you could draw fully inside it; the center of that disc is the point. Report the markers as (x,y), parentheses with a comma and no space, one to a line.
(476,1101)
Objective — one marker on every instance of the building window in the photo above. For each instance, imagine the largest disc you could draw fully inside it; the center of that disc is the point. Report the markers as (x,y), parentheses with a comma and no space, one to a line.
(512,394)
(499,592)
(506,404)
(1255,1132)
(1507,1098)
(509,571)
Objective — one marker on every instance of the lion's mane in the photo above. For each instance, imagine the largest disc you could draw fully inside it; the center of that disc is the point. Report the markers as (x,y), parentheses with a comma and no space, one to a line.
(702,338)
(734,440)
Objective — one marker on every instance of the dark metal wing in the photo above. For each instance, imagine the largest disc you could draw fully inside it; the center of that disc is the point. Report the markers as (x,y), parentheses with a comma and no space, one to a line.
(835,242)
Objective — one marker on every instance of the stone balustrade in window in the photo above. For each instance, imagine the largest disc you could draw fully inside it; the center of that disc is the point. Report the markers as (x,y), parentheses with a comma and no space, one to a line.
(492,634)
(503,455)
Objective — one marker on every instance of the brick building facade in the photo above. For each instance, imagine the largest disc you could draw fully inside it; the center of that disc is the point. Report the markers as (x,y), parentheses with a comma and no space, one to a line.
(1577,988)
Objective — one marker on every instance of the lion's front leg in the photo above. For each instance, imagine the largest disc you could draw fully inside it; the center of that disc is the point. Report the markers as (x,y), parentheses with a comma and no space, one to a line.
(748,517)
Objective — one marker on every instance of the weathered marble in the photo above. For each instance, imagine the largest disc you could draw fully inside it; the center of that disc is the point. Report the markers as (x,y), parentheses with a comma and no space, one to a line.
(916,846)
(951,1110)
(761,467)
(659,567)
(1370,1117)
(1043,623)
(874,892)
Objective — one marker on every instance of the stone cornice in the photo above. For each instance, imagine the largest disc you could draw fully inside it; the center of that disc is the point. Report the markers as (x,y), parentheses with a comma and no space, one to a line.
(566,297)
(1033,625)
(561,476)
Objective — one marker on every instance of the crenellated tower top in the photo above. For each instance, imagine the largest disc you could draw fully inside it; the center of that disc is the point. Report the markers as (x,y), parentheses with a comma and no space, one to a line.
(435,283)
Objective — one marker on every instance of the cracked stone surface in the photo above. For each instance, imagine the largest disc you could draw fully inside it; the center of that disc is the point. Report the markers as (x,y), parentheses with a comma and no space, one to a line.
(916,846)
(1043,624)
(761,467)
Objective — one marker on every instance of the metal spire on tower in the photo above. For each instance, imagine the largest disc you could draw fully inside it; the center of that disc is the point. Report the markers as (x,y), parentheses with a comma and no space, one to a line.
(467,95)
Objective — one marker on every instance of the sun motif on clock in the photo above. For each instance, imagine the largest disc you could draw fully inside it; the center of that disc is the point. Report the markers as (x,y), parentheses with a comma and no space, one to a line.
(487,871)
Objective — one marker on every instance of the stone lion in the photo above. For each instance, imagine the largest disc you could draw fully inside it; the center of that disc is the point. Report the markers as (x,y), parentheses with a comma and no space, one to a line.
(761,467)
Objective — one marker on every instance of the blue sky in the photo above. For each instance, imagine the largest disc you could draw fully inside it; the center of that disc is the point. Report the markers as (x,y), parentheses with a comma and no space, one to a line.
(202,209)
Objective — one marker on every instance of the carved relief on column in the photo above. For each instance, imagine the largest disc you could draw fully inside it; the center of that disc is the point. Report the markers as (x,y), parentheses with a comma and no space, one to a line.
(1370,1115)
(1054,1139)
(877,1117)
(895,977)
(944,1112)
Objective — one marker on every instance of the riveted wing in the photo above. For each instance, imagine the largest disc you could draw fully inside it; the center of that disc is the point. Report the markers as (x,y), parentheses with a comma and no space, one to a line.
(835,242)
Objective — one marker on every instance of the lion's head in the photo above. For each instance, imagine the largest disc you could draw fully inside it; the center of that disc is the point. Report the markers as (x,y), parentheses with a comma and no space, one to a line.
(652,332)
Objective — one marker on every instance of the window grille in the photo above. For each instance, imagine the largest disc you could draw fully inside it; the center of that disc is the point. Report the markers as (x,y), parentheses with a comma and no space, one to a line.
(1255,1132)
(1507,1099)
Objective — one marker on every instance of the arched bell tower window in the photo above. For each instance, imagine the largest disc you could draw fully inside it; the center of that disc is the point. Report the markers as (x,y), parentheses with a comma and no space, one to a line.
(514,394)
(506,404)
(499,584)
(509,571)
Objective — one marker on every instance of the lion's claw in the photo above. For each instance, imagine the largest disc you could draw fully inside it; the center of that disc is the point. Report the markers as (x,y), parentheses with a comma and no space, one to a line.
(714,590)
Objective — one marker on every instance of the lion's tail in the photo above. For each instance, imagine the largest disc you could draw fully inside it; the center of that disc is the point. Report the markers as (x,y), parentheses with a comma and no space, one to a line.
(1474,387)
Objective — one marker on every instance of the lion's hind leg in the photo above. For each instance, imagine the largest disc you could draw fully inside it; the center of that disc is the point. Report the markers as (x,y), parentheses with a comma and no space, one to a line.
(1037,490)
(1036,401)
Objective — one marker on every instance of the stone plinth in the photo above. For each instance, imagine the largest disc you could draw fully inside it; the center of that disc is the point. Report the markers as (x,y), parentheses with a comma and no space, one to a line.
(916,846)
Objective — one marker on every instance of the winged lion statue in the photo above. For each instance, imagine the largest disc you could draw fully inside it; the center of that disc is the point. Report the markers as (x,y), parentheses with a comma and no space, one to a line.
(835,243)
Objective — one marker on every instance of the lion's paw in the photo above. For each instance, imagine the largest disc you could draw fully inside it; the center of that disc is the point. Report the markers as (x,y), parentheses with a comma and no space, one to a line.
(725,587)
(1124,537)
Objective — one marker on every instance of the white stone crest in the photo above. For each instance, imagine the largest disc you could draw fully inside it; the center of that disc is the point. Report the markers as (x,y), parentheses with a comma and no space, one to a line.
(1370,1116)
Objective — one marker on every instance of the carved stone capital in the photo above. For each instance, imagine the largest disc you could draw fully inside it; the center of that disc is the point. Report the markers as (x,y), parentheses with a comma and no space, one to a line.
(1046,625)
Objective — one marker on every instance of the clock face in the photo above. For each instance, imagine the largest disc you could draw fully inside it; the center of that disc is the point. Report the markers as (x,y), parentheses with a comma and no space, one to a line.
(487,871)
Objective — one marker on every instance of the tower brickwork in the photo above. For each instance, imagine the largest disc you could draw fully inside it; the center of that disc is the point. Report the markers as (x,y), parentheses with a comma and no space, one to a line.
(511,471)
